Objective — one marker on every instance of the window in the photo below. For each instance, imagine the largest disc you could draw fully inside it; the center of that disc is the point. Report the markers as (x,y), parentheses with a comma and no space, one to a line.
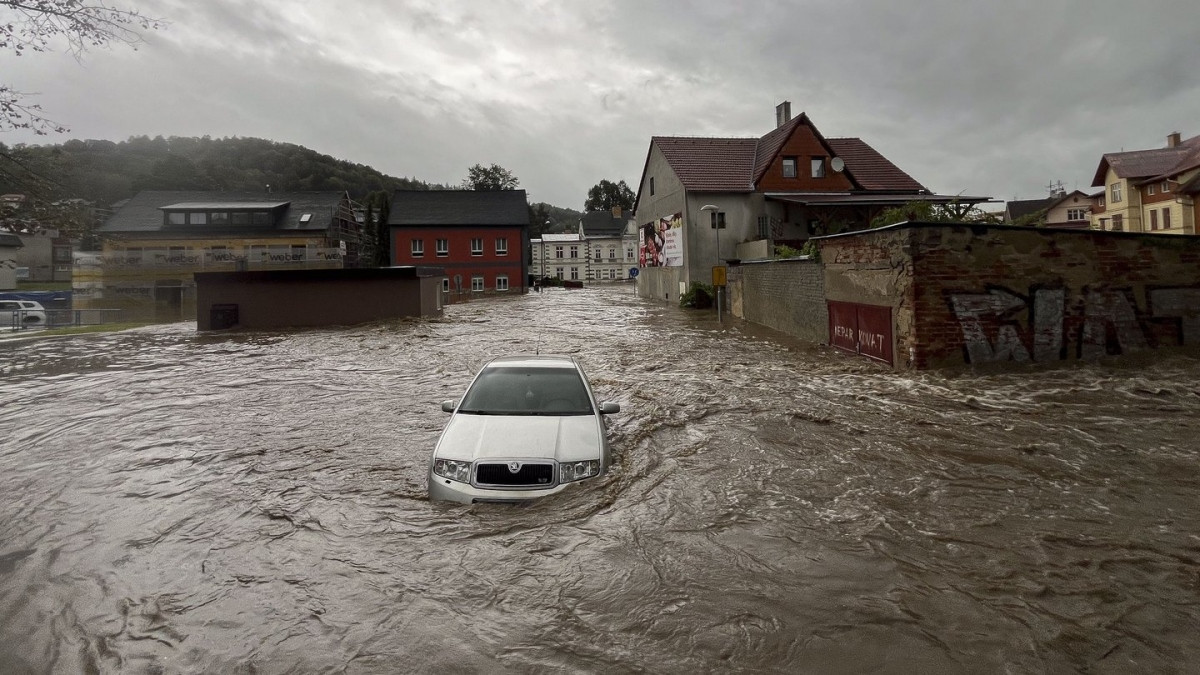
(1166,219)
(1076,214)
(477,283)
(198,218)
(476,249)
(651,185)
(176,218)
(716,220)
(240,218)
(629,253)
(220,218)
(1115,189)
(418,248)
(443,247)
(599,254)
(1153,219)
(1166,186)
(502,246)
(574,252)
(558,271)
(502,283)
(574,274)
(612,253)
(1150,189)
(789,167)
(1100,201)
(446,285)
(1118,222)
(818,167)
(304,218)
(558,251)
(763,223)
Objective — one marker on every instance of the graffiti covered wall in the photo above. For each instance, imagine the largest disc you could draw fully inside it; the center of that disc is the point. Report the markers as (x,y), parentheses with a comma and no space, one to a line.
(966,294)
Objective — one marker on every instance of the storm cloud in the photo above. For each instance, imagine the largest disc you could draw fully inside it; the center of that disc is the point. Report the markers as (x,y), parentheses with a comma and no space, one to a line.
(995,99)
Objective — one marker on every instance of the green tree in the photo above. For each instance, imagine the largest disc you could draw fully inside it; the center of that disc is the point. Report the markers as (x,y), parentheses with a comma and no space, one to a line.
(929,212)
(32,25)
(606,195)
(383,233)
(539,220)
(494,177)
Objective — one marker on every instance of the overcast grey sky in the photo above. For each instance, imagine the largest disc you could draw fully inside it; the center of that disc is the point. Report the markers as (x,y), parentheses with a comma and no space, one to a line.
(972,97)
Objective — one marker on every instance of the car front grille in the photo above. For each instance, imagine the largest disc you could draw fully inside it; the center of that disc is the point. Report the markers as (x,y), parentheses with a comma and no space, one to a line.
(529,475)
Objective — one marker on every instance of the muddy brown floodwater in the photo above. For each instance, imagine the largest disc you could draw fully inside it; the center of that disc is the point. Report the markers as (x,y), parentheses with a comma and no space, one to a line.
(256,502)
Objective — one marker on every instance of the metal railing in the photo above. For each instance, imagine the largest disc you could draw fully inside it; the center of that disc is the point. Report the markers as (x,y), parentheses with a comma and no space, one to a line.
(58,318)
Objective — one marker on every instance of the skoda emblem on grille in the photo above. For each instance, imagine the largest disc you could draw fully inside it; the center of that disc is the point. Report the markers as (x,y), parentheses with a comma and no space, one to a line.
(514,467)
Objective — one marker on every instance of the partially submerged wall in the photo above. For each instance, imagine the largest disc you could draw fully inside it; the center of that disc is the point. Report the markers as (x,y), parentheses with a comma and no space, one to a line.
(985,294)
(787,295)
(301,298)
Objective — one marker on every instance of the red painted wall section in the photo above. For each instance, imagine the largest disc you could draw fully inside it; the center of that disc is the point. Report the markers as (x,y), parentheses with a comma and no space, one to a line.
(459,261)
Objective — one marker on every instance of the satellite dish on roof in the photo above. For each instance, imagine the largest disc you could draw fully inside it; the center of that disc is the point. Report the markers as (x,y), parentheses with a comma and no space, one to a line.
(837,164)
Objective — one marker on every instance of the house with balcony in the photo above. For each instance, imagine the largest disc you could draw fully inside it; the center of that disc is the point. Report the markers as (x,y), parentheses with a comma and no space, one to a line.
(155,242)
(478,237)
(1149,190)
(706,200)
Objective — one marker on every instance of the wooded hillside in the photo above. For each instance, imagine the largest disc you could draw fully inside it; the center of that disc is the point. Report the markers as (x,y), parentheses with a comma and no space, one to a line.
(105,172)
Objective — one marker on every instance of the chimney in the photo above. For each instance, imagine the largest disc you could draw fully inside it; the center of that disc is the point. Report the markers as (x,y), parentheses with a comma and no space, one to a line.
(1172,139)
(783,113)
(616,211)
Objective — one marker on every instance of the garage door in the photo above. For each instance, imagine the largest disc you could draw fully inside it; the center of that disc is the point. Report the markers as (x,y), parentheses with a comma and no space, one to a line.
(861,329)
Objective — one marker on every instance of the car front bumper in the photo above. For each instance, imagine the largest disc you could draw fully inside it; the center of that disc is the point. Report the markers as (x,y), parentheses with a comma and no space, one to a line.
(465,493)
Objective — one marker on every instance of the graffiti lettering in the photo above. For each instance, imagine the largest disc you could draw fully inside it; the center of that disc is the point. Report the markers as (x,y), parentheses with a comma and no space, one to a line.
(1106,322)
(872,342)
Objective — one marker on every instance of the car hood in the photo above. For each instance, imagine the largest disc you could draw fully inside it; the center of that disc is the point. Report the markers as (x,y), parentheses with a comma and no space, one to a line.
(564,439)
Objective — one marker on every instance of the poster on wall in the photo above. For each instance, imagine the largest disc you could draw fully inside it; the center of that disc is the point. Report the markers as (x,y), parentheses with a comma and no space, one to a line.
(662,243)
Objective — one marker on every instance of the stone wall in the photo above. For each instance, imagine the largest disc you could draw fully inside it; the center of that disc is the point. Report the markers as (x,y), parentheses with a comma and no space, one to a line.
(787,295)
(978,294)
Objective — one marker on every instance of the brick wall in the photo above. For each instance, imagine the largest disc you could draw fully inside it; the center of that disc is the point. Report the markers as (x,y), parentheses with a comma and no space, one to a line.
(978,294)
(787,295)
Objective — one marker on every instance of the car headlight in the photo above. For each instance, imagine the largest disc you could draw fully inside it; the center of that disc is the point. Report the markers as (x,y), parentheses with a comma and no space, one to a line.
(573,471)
(452,469)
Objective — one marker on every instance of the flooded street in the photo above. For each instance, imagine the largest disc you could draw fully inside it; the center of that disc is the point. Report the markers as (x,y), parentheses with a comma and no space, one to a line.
(256,502)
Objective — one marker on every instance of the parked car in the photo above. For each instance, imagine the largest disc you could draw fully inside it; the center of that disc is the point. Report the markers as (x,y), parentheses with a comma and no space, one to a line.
(21,314)
(527,427)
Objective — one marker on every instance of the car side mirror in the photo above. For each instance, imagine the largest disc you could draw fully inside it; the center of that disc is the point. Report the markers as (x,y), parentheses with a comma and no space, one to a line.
(609,408)
(449,406)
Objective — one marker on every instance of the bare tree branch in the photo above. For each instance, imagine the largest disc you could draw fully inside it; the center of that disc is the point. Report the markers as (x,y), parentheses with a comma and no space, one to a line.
(35,25)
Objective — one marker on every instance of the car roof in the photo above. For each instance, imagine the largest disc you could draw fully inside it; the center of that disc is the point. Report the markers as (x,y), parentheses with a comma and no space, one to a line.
(534,361)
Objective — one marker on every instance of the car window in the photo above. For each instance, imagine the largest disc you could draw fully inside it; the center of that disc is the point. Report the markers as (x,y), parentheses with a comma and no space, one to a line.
(9,305)
(527,391)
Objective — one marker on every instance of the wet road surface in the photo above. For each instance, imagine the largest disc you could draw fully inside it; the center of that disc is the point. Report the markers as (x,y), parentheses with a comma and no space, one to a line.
(255,502)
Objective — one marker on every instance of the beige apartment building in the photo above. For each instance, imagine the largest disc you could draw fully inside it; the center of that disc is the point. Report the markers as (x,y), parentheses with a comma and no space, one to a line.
(1149,190)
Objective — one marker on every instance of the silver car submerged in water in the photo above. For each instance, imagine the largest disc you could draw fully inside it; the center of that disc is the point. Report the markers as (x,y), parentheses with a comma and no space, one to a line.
(527,427)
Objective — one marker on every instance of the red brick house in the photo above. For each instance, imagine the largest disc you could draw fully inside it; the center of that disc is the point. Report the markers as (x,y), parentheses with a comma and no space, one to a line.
(479,237)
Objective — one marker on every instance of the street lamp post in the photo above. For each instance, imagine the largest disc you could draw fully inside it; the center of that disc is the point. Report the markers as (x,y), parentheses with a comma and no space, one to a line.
(716,225)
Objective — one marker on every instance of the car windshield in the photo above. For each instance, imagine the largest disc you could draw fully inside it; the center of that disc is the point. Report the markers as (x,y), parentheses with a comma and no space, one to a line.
(512,390)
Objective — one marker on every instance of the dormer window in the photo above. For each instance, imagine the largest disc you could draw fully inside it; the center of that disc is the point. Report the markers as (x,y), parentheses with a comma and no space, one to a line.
(305,217)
